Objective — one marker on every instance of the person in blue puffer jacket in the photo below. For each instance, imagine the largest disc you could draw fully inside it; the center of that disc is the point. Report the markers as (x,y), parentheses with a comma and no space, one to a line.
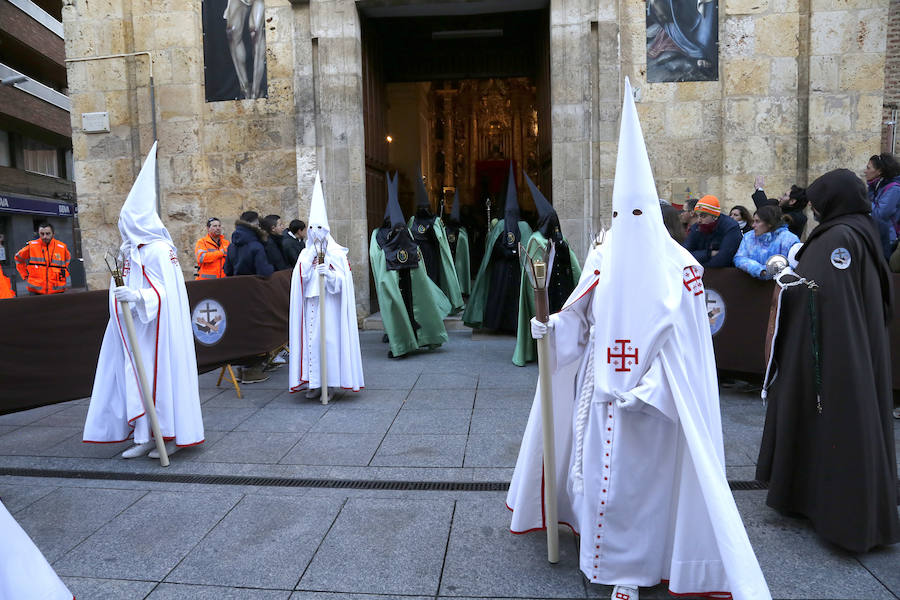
(770,236)
(883,180)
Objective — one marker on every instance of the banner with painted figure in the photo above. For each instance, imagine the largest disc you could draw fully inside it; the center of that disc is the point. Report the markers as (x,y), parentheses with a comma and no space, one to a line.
(234,49)
(682,40)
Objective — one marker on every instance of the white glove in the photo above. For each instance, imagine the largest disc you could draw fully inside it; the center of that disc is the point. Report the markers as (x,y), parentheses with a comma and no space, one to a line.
(124,293)
(321,269)
(626,400)
(538,329)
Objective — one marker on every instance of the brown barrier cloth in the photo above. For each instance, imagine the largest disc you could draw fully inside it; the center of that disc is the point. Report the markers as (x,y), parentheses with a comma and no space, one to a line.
(49,344)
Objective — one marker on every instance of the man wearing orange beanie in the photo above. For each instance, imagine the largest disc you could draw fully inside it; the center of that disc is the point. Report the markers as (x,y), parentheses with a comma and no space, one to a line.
(714,238)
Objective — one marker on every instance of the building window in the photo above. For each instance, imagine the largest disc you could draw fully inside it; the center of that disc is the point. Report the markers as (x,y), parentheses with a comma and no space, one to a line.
(40,158)
(5,153)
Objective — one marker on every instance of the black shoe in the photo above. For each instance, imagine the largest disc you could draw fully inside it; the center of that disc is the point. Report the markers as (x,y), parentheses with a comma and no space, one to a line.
(384,339)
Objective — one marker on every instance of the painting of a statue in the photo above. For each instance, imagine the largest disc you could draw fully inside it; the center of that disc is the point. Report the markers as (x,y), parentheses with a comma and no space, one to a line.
(682,40)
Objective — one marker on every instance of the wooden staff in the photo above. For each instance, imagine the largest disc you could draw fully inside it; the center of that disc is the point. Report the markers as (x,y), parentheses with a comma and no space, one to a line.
(146,393)
(538,275)
(323,348)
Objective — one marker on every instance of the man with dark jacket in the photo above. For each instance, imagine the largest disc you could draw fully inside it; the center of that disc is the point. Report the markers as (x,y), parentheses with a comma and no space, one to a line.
(792,203)
(246,254)
(293,241)
(714,239)
(271,224)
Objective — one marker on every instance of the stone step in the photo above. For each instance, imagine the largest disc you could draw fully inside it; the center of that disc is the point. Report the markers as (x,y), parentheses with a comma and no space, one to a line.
(452,323)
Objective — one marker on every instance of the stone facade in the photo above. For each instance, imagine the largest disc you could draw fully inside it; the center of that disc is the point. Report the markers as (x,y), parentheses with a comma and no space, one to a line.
(800,91)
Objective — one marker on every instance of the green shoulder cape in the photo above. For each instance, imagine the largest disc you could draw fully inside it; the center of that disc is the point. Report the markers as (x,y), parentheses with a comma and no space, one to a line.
(474,314)
(526,349)
(449,280)
(430,305)
(461,262)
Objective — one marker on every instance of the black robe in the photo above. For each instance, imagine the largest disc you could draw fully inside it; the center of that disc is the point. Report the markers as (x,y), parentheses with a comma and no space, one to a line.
(501,311)
(837,467)
(424,235)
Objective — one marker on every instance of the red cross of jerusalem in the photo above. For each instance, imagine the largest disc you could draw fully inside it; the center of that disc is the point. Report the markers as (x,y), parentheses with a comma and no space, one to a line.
(625,360)
(693,281)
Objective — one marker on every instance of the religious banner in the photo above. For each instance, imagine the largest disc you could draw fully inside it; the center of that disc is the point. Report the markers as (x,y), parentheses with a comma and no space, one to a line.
(50,344)
(682,40)
(234,49)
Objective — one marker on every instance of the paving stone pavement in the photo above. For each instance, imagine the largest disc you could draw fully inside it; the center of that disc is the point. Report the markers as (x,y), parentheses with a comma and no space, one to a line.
(452,415)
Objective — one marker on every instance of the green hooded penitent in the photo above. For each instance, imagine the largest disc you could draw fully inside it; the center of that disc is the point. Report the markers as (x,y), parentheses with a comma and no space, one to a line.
(412,306)
(458,238)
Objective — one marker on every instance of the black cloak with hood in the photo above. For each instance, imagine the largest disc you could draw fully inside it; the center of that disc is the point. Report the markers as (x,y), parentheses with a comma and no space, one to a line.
(423,232)
(501,311)
(838,466)
(561,282)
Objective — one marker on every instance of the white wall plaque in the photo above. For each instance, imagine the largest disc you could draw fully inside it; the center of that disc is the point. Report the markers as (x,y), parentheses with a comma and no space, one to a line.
(95,122)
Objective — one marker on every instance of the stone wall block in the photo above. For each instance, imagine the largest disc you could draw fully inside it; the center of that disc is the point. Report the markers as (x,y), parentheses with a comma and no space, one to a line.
(780,34)
(870,31)
(823,73)
(746,76)
(183,172)
(745,7)
(179,102)
(784,6)
(607,34)
(833,5)
(684,119)
(829,33)
(653,92)
(568,122)
(829,114)
(279,61)
(278,24)
(186,65)
(748,155)
(738,38)
(740,116)
(697,90)
(653,120)
(861,72)
(868,113)
(777,115)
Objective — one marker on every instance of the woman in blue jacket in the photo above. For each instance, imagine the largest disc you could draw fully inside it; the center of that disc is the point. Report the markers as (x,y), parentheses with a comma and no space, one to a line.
(883,179)
(770,236)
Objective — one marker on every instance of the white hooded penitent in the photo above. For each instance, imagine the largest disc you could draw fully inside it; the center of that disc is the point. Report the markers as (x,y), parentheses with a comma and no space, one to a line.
(636,414)
(343,356)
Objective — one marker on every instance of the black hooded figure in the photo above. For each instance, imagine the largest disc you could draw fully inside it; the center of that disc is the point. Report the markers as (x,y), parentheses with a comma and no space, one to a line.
(453,225)
(828,445)
(423,231)
(561,281)
(458,240)
(494,303)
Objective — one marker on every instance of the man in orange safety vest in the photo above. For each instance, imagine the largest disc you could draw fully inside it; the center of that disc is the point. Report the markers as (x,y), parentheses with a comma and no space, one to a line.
(44,263)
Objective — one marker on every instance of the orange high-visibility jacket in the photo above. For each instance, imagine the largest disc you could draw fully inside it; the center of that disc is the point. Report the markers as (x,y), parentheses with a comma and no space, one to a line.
(211,257)
(6,290)
(44,267)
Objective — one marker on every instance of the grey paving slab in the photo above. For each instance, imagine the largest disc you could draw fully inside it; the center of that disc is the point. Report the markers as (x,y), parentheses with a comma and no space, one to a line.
(75,446)
(250,397)
(492,474)
(380,380)
(342,595)
(485,559)
(217,418)
(180,591)
(195,453)
(287,399)
(421,450)
(88,588)
(68,416)
(250,447)
(351,449)
(35,440)
(445,399)
(382,547)
(149,538)
(492,449)
(504,398)
(799,564)
(354,421)
(77,513)
(372,400)
(16,497)
(497,420)
(24,417)
(207,394)
(8,428)
(264,542)
(283,420)
(884,564)
(502,376)
(431,421)
(446,381)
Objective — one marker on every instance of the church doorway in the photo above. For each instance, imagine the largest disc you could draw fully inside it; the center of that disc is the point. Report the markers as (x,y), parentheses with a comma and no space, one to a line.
(460,97)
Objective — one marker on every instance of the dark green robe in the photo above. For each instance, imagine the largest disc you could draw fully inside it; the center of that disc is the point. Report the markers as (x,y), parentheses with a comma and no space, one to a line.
(430,305)
(526,349)
(449,280)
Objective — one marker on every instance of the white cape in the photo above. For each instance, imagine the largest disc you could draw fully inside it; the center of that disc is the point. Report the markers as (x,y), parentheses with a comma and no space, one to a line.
(24,572)
(163,326)
(640,476)
(344,361)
